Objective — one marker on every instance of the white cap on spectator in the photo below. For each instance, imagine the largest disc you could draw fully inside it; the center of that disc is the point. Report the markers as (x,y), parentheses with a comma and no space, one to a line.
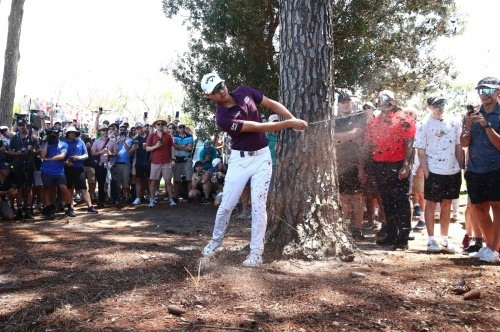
(216,162)
(274,117)
(4,128)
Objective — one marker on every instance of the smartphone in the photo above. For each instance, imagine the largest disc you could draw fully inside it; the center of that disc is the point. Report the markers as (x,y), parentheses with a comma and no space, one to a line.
(100,110)
(145,115)
(470,109)
(177,115)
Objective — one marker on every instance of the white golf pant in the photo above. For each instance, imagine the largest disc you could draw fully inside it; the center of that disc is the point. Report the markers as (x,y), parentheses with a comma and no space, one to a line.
(258,168)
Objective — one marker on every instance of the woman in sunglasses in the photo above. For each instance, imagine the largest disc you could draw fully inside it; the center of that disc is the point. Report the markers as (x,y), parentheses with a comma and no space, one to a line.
(238,115)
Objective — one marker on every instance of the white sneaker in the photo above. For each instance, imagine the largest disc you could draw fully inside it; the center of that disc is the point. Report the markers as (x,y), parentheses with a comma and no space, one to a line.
(172,202)
(209,250)
(448,247)
(490,256)
(432,246)
(253,260)
(480,253)
(411,236)
(152,203)
(137,201)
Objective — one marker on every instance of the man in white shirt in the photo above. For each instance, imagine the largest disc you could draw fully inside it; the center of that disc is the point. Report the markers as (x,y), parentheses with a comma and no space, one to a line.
(440,155)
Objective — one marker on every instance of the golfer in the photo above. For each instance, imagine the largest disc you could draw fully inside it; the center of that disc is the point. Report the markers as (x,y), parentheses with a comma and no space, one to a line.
(237,114)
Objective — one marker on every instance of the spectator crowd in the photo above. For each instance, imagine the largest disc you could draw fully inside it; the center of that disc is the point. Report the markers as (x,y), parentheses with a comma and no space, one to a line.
(46,168)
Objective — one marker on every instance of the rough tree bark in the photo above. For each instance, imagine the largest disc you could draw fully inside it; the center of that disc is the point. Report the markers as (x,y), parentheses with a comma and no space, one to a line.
(12,57)
(304,214)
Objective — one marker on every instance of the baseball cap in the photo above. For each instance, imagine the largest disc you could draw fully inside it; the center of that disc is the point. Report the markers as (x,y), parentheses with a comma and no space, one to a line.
(4,128)
(435,98)
(72,129)
(21,122)
(343,96)
(209,82)
(216,162)
(139,124)
(274,117)
(489,82)
(207,146)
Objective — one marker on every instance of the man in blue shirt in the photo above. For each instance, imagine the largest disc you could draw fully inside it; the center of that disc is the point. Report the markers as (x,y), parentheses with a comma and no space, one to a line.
(75,175)
(53,154)
(207,155)
(122,162)
(183,171)
(142,163)
(481,134)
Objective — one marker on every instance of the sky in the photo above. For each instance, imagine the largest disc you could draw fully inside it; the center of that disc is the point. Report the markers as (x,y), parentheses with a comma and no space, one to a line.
(75,47)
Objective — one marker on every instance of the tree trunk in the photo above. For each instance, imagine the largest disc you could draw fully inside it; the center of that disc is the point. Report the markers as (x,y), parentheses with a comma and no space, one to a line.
(12,57)
(304,218)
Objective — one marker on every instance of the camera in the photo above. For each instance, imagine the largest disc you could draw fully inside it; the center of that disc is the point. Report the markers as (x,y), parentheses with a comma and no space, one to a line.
(183,177)
(136,142)
(23,150)
(470,109)
(160,140)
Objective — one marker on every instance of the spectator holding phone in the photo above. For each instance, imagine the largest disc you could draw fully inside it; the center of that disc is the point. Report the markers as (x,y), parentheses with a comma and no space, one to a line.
(481,134)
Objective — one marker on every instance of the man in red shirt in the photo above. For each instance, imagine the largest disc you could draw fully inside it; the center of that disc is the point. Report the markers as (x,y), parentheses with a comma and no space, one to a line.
(389,143)
(161,146)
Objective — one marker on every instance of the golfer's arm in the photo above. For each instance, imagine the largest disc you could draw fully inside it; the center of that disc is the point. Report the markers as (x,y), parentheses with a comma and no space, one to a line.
(252,126)
(277,108)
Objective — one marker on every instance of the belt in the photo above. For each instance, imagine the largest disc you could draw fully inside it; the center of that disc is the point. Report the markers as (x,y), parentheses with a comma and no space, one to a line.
(250,153)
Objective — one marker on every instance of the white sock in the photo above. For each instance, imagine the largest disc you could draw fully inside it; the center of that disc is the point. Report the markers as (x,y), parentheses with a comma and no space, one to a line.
(431,238)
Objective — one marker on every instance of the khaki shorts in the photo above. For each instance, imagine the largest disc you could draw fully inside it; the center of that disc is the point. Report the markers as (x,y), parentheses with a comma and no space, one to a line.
(89,173)
(159,171)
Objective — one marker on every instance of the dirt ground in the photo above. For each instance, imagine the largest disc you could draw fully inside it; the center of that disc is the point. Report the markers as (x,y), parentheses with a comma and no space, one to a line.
(120,270)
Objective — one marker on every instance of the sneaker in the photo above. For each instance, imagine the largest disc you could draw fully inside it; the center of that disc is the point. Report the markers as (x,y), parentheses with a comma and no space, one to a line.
(70,213)
(382,232)
(152,203)
(448,247)
(172,202)
(479,253)
(92,210)
(256,260)
(357,235)
(432,246)
(411,235)
(416,211)
(28,215)
(386,241)
(420,225)
(19,215)
(472,249)
(204,201)
(209,250)
(370,224)
(490,256)
(137,201)
(454,218)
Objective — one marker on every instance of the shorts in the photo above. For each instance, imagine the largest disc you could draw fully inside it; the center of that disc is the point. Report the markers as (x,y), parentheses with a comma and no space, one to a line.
(142,171)
(123,175)
(185,168)
(161,170)
(6,211)
(438,187)
(37,177)
(53,180)
(89,173)
(24,178)
(75,178)
(369,188)
(483,187)
(349,182)
(418,184)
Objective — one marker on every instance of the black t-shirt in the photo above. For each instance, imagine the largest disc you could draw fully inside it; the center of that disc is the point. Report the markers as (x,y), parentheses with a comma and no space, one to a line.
(140,154)
(348,153)
(17,144)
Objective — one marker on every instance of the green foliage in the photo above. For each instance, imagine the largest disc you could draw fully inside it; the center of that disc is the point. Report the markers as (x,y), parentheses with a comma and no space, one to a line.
(389,45)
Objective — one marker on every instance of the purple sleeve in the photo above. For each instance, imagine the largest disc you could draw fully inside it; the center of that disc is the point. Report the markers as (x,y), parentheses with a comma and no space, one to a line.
(256,95)
(228,124)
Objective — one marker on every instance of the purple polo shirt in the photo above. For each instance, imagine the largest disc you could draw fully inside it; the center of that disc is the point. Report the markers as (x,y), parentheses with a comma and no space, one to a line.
(231,119)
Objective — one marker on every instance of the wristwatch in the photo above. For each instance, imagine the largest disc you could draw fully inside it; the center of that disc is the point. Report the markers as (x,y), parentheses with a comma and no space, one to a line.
(488,125)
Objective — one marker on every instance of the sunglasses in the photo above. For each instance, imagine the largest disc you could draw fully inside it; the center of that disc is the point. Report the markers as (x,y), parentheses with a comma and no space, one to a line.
(103,130)
(486,91)
(182,127)
(218,87)
(440,104)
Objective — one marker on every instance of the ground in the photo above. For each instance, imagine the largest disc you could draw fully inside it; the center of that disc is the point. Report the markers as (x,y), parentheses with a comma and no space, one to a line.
(121,269)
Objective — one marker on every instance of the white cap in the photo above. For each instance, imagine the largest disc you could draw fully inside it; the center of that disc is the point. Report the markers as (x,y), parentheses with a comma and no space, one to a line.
(386,93)
(209,81)
(4,128)
(273,117)
(216,162)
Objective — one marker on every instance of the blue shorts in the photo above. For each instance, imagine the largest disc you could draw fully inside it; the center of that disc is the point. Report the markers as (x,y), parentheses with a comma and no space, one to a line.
(53,180)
